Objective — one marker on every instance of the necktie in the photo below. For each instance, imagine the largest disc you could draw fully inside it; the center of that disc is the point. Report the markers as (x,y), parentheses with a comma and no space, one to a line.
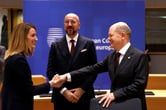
(117,55)
(72,47)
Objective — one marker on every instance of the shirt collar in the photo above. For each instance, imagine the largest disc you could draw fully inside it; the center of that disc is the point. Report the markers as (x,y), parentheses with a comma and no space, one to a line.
(68,38)
(125,48)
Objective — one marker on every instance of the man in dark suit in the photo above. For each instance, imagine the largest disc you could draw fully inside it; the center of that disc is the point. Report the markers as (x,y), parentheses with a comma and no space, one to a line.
(63,58)
(129,78)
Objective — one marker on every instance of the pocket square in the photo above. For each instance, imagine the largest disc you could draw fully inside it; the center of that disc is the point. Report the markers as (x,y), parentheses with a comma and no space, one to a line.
(83,50)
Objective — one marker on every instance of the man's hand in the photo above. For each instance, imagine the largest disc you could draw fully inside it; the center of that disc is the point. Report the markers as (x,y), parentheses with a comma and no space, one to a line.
(106,99)
(70,96)
(58,80)
(78,92)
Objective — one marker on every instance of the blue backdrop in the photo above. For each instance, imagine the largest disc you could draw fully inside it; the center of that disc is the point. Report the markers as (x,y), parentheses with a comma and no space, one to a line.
(95,15)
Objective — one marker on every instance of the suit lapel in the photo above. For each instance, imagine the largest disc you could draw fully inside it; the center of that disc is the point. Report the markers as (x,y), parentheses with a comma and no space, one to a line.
(127,57)
(64,47)
(79,46)
(65,51)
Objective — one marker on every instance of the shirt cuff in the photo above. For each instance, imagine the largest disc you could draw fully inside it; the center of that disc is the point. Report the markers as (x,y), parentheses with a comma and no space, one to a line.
(68,77)
(63,90)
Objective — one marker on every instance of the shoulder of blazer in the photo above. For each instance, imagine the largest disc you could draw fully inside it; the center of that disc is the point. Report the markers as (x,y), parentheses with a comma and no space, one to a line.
(85,38)
(59,42)
(15,58)
(135,50)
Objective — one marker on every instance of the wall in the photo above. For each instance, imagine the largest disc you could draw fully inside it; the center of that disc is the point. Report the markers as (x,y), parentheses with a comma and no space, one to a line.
(158,64)
(11,4)
(155,3)
(158,61)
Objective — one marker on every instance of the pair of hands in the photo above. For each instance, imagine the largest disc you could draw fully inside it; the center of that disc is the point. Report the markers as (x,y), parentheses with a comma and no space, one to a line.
(75,94)
(58,80)
(72,95)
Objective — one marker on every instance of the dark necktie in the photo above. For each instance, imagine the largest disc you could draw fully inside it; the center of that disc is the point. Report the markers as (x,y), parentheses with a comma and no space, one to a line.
(117,55)
(72,47)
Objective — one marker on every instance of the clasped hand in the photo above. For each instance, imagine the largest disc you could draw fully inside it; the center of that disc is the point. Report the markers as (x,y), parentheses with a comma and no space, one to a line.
(73,95)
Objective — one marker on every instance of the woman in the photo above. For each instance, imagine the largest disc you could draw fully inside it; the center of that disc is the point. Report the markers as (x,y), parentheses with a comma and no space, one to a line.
(18,89)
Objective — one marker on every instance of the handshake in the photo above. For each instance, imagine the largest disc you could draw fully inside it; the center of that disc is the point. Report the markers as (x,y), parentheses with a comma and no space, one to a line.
(58,80)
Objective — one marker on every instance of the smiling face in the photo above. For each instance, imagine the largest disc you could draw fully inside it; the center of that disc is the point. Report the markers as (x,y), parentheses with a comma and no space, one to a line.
(32,39)
(115,39)
(71,24)
(119,35)
(23,40)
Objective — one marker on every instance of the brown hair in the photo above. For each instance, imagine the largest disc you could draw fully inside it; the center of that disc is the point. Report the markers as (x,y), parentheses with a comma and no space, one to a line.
(18,40)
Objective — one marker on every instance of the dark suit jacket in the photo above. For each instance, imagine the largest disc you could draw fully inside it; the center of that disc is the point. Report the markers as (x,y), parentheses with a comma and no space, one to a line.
(60,62)
(18,89)
(130,78)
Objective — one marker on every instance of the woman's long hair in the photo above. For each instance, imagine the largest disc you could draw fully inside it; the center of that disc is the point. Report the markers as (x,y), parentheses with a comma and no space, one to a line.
(18,41)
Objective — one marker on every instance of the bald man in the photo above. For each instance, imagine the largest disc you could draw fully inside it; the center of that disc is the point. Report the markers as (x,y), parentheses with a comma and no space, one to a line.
(64,58)
(129,78)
